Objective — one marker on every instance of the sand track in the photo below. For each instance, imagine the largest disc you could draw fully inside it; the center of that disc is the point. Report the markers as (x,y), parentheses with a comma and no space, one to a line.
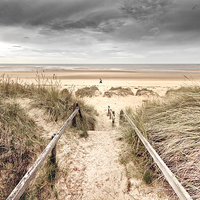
(95,171)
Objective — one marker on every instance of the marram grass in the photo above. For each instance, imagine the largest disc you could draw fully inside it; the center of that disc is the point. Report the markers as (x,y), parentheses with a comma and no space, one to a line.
(172,126)
(20,143)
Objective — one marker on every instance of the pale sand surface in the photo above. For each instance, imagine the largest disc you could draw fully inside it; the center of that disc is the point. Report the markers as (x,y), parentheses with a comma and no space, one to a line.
(110,78)
(94,168)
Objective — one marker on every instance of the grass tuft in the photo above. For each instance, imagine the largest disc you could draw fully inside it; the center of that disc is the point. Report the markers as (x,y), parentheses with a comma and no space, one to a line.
(147,177)
(84,134)
(87,92)
(145,91)
(172,128)
(20,142)
(118,91)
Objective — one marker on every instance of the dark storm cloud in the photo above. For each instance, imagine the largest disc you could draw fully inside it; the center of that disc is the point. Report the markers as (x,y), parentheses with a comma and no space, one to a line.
(61,15)
(99,29)
(168,21)
(80,24)
(103,25)
(182,20)
(40,12)
(142,10)
(103,16)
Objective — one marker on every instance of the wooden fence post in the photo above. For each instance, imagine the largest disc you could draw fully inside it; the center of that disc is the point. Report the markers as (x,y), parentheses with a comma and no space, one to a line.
(53,153)
(108,111)
(52,165)
(81,116)
(113,119)
(121,117)
(74,119)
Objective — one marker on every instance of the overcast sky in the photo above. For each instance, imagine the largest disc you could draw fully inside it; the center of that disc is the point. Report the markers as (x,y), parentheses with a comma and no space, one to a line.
(100,31)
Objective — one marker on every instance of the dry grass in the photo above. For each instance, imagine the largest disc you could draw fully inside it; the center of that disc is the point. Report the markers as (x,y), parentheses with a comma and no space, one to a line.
(88,120)
(19,136)
(43,185)
(87,92)
(19,144)
(146,92)
(173,129)
(119,91)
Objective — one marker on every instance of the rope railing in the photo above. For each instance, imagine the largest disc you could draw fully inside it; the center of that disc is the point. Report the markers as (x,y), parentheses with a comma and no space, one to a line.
(177,187)
(111,114)
(24,183)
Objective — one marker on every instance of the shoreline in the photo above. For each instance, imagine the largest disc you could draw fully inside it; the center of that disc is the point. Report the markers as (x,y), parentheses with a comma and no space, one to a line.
(136,68)
(106,74)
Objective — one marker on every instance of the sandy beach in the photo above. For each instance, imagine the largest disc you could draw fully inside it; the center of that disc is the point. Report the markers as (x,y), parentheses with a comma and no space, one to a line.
(120,78)
(159,82)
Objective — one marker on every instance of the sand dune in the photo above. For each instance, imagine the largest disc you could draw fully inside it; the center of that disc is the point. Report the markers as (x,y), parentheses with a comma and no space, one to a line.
(95,170)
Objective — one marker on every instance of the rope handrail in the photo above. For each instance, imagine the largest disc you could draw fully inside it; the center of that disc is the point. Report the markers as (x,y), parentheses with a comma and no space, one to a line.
(175,184)
(23,184)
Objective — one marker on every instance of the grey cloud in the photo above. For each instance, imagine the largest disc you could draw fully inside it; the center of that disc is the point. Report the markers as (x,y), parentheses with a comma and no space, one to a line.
(196,6)
(167,17)
(35,13)
(57,16)
(107,23)
(182,21)
(145,9)
(80,24)
(110,25)
(181,26)
(154,31)
(147,37)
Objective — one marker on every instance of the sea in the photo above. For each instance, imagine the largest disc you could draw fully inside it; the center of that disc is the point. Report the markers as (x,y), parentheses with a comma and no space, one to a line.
(102,67)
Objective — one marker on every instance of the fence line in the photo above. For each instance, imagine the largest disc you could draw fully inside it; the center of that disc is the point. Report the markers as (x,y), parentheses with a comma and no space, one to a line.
(23,184)
(111,114)
(178,188)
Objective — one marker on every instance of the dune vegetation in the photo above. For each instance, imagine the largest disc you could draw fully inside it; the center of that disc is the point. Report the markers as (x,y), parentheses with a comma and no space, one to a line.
(119,91)
(87,91)
(172,127)
(20,139)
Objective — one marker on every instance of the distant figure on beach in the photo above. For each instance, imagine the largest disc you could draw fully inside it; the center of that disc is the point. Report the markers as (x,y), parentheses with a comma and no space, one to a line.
(100,80)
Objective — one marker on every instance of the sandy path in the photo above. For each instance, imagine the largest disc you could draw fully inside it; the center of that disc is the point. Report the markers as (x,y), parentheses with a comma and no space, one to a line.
(105,176)
(95,171)
(93,167)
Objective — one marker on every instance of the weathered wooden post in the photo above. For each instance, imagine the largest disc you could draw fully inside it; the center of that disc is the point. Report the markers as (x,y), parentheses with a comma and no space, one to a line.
(81,116)
(53,152)
(113,119)
(74,119)
(108,111)
(52,166)
(121,117)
